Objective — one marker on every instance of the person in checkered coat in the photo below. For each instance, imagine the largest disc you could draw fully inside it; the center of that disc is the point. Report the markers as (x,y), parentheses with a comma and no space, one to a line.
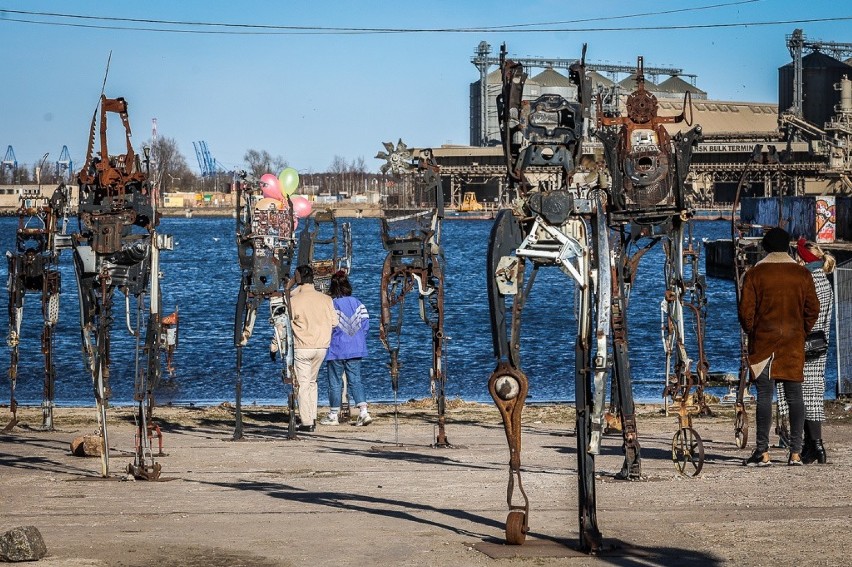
(820,264)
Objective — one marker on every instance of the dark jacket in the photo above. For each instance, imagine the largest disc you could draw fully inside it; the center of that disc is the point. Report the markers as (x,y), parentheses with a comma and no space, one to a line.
(778,306)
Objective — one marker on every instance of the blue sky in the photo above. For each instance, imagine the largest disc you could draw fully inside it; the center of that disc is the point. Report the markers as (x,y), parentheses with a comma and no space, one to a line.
(311,97)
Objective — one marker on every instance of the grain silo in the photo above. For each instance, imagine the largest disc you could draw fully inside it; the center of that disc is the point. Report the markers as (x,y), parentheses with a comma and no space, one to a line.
(819,74)
(675,87)
(493,87)
(553,82)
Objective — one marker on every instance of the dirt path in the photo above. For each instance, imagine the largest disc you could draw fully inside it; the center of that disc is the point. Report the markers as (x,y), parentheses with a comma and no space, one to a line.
(350,495)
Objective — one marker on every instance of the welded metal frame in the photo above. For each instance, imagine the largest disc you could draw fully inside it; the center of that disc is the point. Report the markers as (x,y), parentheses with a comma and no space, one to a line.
(326,246)
(557,219)
(416,261)
(34,269)
(266,244)
(117,248)
(648,169)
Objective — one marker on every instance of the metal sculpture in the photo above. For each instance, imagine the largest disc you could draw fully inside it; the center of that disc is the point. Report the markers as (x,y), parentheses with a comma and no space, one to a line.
(559,219)
(747,250)
(118,248)
(562,216)
(34,268)
(266,244)
(648,169)
(415,260)
(326,246)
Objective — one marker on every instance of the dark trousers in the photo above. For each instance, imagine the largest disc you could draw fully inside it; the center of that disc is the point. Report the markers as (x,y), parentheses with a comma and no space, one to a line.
(793,393)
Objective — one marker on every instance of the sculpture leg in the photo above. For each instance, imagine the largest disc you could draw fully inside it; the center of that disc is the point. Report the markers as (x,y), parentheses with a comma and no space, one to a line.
(16,311)
(50,311)
(245,315)
(590,536)
(507,385)
(622,380)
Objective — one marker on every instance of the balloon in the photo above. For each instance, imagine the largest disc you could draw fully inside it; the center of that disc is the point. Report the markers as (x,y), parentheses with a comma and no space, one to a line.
(289,179)
(268,203)
(270,186)
(301,206)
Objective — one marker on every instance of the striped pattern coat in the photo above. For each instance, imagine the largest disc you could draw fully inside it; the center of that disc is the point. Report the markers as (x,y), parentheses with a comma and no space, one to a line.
(813,388)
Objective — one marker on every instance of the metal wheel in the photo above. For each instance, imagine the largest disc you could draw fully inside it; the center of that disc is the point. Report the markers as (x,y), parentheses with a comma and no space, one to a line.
(741,429)
(688,452)
(515,532)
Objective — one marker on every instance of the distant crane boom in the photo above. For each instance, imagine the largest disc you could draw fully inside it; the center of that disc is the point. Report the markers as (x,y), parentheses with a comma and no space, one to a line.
(9,162)
(64,165)
(206,163)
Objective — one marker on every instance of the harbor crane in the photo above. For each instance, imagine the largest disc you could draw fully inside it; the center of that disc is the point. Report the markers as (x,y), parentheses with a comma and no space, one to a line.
(10,162)
(64,165)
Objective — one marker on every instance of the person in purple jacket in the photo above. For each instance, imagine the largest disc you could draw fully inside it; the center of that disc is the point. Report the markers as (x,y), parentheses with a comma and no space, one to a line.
(348,346)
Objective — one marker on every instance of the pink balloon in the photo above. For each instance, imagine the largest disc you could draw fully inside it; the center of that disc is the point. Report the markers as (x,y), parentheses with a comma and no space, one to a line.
(270,186)
(301,206)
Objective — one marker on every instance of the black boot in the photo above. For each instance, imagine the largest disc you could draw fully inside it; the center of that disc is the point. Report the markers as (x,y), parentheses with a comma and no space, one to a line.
(820,452)
(809,452)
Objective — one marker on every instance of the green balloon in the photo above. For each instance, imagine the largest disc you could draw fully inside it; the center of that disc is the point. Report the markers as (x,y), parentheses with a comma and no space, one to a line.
(289,179)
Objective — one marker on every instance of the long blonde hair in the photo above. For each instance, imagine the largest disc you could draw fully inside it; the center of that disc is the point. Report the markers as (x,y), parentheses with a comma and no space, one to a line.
(828,260)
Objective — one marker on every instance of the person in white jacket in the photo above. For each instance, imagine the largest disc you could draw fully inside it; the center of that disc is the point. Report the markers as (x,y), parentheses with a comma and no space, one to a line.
(314,317)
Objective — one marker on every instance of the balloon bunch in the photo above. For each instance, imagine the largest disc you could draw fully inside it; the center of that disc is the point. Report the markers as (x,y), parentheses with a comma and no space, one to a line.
(277,191)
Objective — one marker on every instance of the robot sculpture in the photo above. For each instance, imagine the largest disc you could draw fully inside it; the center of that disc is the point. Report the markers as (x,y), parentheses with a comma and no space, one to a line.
(648,170)
(34,268)
(562,216)
(556,220)
(326,246)
(118,248)
(266,244)
(415,259)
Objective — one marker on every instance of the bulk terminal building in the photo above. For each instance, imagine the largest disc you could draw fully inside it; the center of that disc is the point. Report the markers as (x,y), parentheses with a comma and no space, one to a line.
(806,138)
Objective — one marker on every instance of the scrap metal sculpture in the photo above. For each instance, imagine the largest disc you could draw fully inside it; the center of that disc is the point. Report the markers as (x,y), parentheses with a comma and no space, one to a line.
(34,268)
(326,246)
(118,248)
(558,219)
(266,244)
(747,251)
(648,169)
(415,260)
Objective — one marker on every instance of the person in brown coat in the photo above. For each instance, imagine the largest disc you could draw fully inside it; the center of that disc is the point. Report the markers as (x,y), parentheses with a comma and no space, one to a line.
(778,307)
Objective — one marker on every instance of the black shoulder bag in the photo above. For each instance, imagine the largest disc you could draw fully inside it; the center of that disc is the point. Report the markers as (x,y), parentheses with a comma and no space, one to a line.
(816,344)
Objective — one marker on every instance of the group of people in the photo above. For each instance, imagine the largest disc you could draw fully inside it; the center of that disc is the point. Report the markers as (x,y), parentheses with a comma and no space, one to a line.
(333,329)
(783,298)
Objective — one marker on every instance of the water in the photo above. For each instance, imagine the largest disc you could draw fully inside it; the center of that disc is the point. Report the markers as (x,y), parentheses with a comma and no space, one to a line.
(201,277)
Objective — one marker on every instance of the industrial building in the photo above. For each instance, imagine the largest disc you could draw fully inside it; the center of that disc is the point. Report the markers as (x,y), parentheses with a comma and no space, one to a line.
(806,139)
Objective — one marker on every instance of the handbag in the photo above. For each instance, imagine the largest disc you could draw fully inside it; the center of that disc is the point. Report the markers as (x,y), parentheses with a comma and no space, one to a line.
(816,344)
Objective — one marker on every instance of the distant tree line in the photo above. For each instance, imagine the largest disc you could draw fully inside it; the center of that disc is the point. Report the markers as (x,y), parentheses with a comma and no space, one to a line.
(171,169)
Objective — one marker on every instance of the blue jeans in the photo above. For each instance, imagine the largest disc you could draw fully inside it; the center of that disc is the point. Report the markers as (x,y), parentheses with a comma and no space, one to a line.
(763,417)
(352,368)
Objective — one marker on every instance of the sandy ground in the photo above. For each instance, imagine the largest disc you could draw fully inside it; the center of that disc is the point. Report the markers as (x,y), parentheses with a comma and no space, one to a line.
(352,495)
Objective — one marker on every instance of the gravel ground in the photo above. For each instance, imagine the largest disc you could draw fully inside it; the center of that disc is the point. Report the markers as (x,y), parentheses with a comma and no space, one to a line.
(380,495)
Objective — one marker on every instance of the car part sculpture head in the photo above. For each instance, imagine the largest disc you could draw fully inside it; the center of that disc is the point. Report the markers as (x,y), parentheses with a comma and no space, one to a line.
(647,170)
(541,139)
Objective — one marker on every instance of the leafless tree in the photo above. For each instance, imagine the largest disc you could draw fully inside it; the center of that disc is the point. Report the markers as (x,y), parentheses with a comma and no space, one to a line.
(260,162)
(169,166)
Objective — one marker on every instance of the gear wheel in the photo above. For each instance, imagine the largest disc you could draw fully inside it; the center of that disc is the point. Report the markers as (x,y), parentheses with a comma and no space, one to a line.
(398,159)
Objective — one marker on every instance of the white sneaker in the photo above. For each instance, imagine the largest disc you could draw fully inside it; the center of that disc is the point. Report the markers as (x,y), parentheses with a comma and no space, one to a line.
(330,419)
(363,419)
